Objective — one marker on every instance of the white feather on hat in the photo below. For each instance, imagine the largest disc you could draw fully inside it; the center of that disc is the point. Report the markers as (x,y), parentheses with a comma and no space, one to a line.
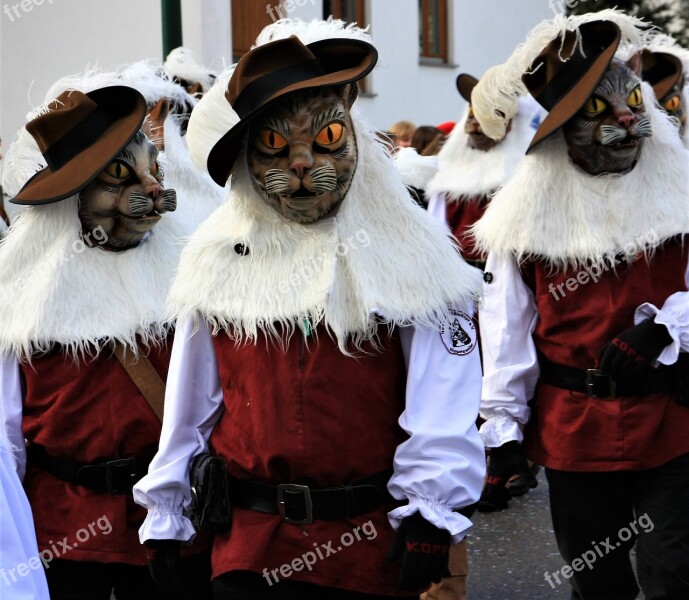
(495,98)
(182,63)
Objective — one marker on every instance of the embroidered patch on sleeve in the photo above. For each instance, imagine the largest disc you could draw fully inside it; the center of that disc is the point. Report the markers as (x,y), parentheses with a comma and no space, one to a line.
(458,332)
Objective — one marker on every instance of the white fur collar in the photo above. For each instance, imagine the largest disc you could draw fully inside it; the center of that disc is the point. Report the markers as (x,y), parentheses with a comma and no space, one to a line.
(56,290)
(465,173)
(552,210)
(417,171)
(381,254)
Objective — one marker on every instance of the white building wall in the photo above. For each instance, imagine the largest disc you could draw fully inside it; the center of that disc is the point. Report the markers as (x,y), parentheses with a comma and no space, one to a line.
(42,40)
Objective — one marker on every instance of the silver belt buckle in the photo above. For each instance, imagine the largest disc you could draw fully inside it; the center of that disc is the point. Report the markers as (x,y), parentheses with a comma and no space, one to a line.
(590,373)
(308,503)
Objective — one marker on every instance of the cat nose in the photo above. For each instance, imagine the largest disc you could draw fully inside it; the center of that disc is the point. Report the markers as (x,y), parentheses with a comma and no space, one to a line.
(625,119)
(153,189)
(298,167)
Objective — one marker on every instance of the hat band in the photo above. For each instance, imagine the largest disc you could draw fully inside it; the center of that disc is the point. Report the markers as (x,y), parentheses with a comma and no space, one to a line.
(566,78)
(257,93)
(78,139)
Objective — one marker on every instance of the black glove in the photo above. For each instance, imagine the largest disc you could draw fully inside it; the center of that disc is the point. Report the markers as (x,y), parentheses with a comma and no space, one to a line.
(634,349)
(163,562)
(504,462)
(424,550)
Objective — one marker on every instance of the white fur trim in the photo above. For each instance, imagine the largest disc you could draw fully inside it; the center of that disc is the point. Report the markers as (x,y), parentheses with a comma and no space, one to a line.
(182,63)
(494,99)
(552,210)
(465,173)
(381,253)
(417,171)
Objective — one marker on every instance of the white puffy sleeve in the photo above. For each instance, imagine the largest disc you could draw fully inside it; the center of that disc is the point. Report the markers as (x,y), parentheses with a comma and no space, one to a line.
(193,404)
(11,403)
(674,314)
(442,465)
(507,321)
(20,564)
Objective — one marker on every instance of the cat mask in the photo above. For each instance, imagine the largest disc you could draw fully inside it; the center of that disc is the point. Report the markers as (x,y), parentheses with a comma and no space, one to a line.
(125,201)
(664,71)
(302,155)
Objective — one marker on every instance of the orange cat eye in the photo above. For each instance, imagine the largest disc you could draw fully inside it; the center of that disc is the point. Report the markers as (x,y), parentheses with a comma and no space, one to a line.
(272,139)
(673,104)
(330,134)
(118,170)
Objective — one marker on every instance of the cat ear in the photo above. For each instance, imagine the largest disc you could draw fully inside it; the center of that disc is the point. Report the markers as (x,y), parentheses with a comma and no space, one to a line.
(634,63)
(348,94)
(153,125)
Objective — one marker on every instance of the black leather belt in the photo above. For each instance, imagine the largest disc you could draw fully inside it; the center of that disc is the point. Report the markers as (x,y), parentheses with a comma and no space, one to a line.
(108,476)
(593,382)
(300,504)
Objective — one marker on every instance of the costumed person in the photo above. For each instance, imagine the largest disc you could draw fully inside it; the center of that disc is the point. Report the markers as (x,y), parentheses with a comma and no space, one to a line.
(84,346)
(585,325)
(470,168)
(665,65)
(316,308)
(181,65)
(473,166)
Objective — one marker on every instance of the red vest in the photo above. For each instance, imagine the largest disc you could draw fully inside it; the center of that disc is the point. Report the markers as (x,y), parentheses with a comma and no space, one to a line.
(571,431)
(310,415)
(461,215)
(85,412)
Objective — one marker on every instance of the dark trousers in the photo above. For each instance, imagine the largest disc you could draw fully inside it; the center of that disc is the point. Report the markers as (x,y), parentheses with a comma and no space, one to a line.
(243,585)
(73,580)
(597,518)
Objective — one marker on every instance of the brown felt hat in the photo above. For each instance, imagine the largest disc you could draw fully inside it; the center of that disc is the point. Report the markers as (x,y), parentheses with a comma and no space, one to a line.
(273,70)
(78,137)
(564,75)
(662,70)
(465,84)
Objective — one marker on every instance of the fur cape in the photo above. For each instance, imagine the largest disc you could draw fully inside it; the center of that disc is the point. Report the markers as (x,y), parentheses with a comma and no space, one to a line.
(465,174)
(552,210)
(55,290)
(248,269)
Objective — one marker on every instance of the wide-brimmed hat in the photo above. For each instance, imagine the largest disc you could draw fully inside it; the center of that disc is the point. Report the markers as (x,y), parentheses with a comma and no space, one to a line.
(662,70)
(565,73)
(278,68)
(465,84)
(78,136)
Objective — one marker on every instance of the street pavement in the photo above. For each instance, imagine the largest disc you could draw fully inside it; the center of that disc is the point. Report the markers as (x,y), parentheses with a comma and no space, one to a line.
(509,551)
